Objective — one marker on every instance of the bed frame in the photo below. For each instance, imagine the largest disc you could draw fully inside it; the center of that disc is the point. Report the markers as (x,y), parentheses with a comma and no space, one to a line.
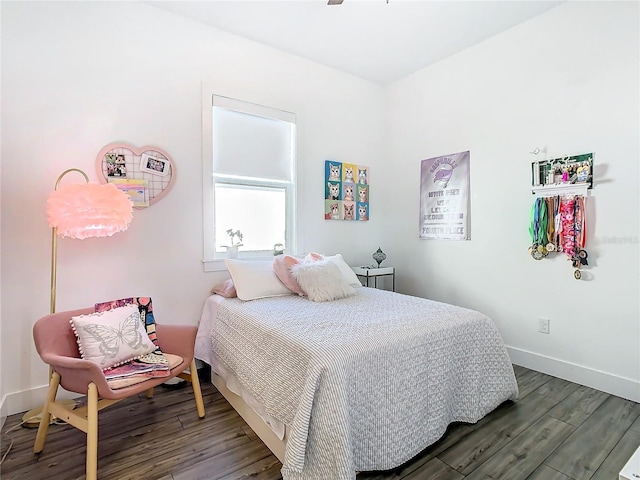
(256,423)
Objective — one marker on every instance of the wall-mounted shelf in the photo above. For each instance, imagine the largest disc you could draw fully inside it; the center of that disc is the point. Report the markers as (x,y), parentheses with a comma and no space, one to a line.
(146,173)
(570,175)
(560,189)
(558,215)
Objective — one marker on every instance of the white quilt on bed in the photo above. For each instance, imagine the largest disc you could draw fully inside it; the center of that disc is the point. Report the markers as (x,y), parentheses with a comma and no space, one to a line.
(363,383)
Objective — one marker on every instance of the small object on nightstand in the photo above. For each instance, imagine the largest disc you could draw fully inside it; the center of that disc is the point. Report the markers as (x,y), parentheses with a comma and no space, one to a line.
(379,256)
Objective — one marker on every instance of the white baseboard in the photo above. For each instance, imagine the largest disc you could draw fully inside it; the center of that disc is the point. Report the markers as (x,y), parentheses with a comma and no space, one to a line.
(3,411)
(606,382)
(25,400)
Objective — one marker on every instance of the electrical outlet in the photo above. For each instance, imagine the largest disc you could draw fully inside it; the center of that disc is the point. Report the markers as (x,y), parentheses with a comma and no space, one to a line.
(543,325)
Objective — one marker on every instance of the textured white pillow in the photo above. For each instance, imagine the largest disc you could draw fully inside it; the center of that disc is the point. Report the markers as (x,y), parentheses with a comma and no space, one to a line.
(322,281)
(345,269)
(255,280)
(113,337)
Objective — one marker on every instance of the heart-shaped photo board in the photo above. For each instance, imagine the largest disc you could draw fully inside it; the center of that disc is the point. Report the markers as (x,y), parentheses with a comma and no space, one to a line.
(146,174)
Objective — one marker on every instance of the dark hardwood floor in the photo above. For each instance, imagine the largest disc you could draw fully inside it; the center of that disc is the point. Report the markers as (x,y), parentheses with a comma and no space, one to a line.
(556,430)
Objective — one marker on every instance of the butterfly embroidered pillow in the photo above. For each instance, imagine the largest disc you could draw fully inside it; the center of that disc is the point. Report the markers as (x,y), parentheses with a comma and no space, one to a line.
(145,307)
(113,337)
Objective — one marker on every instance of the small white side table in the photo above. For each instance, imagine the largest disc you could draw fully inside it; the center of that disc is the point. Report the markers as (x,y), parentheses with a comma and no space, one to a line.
(631,470)
(368,273)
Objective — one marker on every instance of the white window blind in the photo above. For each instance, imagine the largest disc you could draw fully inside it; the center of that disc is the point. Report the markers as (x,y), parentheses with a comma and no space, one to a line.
(249,157)
(249,142)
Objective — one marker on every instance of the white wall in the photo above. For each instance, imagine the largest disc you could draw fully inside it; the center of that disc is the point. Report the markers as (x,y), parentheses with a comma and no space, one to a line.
(79,75)
(568,80)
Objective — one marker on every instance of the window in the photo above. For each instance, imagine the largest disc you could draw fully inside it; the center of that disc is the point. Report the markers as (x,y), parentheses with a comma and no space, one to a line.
(249,177)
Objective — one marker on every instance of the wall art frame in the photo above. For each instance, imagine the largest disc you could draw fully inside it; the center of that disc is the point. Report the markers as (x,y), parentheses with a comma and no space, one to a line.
(346,191)
(146,173)
(444,197)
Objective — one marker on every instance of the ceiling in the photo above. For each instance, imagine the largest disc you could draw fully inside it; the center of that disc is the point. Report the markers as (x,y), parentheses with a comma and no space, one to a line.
(371,39)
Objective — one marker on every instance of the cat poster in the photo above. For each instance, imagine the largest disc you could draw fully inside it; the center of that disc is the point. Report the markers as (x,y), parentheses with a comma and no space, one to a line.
(333,191)
(346,191)
(444,197)
(362,213)
(348,173)
(349,210)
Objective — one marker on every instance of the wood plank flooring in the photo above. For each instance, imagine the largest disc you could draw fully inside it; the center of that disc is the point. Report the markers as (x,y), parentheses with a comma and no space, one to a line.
(556,430)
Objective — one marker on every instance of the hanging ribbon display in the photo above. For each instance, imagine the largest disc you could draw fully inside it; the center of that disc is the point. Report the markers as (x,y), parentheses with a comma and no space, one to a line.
(550,224)
(558,224)
(567,212)
(539,229)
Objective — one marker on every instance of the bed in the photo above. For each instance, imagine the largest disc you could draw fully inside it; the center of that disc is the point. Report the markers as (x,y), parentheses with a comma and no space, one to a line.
(357,384)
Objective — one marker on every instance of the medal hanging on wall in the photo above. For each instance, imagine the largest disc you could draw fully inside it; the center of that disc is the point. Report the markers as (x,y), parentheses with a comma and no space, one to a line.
(574,232)
(580,257)
(552,228)
(538,229)
(558,224)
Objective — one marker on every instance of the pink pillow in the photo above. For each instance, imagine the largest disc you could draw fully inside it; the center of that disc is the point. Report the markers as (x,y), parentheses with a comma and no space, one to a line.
(226,289)
(282,268)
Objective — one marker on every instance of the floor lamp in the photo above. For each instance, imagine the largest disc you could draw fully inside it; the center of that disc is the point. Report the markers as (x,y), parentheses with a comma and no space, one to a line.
(81,210)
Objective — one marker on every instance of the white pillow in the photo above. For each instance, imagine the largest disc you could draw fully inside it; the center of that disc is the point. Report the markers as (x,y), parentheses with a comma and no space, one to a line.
(255,280)
(322,281)
(345,269)
(112,337)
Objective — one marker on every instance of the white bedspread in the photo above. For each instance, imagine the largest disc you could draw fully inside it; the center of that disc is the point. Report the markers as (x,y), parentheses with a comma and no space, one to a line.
(363,383)
(204,352)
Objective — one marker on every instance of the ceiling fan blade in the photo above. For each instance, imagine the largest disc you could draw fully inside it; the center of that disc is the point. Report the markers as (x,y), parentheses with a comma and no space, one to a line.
(334,2)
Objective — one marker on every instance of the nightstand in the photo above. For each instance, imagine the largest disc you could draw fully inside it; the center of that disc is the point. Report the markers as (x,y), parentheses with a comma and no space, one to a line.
(373,273)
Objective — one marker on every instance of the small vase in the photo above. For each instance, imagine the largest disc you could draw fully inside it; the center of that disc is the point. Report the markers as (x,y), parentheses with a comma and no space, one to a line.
(379,256)
(232,252)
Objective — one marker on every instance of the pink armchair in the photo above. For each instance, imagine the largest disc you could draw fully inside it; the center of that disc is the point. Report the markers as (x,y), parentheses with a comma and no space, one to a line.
(56,345)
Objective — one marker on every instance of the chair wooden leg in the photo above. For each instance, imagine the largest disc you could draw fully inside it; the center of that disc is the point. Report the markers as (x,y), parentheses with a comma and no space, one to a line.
(92,432)
(197,393)
(45,416)
(150,393)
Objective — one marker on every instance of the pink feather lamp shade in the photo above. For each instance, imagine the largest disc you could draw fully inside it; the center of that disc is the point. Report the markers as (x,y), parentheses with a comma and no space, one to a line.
(89,210)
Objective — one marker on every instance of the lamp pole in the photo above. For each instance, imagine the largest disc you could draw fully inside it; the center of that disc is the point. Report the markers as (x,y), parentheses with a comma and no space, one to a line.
(54,242)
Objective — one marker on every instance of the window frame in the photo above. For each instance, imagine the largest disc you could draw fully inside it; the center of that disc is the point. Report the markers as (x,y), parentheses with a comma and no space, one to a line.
(214,261)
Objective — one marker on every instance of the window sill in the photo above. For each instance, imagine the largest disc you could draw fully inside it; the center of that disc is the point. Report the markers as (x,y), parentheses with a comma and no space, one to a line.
(217,264)
(214,265)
